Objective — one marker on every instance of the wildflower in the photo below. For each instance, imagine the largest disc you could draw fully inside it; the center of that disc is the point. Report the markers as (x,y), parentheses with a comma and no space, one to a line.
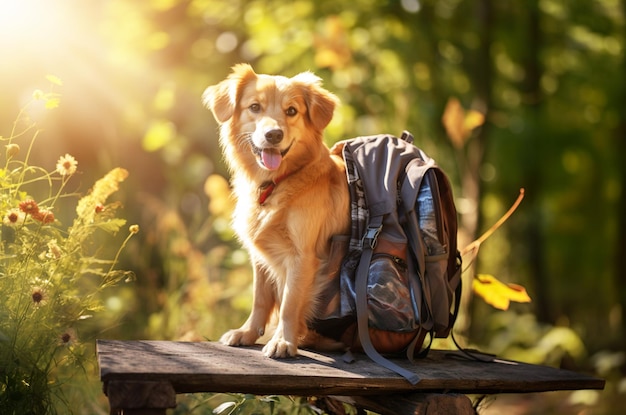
(68,338)
(45,216)
(133,229)
(66,165)
(29,206)
(39,296)
(12,150)
(13,217)
(54,250)
(101,190)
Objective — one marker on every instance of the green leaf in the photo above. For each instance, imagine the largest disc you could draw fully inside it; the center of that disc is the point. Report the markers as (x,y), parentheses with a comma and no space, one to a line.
(224,407)
(112,225)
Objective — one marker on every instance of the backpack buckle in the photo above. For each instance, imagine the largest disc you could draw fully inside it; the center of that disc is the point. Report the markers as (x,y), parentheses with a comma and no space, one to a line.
(371,236)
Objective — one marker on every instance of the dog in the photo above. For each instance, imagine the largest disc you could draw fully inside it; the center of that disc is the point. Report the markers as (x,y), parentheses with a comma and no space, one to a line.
(291,196)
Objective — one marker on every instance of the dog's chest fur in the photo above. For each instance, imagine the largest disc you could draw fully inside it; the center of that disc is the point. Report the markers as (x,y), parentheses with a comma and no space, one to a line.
(266,230)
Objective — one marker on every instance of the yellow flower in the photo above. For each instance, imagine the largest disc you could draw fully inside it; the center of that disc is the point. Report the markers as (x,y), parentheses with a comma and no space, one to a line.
(102,189)
(66,165)
(133,229)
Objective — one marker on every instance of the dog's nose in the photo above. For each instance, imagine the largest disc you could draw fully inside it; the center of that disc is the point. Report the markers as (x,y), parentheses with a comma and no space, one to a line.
(274,136)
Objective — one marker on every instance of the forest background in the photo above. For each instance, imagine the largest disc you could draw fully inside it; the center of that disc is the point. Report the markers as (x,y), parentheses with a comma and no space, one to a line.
(547,75)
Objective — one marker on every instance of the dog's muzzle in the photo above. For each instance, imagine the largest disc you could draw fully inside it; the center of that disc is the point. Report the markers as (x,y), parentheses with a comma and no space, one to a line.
(270,157)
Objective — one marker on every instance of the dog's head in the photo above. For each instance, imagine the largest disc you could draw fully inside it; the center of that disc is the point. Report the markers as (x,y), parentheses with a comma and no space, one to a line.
(271,120)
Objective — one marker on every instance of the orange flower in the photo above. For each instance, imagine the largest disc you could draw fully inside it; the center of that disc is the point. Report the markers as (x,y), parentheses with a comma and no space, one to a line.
(29,206)
(45,216)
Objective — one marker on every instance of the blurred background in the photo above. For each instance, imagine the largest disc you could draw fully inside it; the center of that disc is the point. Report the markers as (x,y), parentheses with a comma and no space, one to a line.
(534,97)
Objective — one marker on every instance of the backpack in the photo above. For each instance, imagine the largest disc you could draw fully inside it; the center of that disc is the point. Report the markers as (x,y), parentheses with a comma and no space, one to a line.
(397,277)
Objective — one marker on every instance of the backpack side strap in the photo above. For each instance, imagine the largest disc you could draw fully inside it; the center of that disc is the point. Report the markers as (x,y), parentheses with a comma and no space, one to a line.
(369,243)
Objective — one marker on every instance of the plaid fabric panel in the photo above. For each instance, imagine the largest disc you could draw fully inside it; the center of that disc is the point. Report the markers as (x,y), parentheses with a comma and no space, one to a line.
(360,216)
(358,206)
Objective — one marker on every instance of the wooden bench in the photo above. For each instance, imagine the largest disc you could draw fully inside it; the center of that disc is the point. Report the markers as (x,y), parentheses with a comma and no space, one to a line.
(143,377)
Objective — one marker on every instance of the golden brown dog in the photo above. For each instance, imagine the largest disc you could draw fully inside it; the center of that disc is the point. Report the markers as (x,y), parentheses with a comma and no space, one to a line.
(292,195)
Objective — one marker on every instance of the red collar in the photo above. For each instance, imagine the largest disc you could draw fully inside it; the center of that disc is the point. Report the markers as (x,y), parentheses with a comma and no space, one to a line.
(268,187)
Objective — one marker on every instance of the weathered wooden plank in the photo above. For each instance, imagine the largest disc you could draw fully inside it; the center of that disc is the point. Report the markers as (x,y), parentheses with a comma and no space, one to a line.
(212,367)
(140,395)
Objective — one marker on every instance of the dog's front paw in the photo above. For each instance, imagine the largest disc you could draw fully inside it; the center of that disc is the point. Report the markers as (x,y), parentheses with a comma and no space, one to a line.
(239,337)
(279,348)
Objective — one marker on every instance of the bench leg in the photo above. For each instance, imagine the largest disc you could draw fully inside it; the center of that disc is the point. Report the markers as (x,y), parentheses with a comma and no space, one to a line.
(140,397)
(416,404)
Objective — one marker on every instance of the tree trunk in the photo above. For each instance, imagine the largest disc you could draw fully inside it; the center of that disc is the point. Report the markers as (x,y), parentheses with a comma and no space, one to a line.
(620,246)
(534,99)
(474,152)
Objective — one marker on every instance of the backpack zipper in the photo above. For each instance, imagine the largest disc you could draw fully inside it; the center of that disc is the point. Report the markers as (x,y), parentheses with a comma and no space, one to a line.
(397,260)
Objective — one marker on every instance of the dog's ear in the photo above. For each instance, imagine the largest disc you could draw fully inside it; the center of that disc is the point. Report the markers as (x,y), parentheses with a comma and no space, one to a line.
(320,103)
(222,98)
(218,99)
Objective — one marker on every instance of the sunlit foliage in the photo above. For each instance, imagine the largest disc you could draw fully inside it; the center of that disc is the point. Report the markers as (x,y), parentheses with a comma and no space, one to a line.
(545,76)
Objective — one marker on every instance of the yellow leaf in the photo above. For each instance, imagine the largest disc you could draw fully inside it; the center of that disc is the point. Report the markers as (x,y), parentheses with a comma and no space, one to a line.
(498,294)
(473,119)
(453,119)
(458,123)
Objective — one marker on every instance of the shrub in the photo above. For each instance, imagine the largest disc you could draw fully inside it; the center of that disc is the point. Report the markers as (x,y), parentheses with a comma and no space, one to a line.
(51,276)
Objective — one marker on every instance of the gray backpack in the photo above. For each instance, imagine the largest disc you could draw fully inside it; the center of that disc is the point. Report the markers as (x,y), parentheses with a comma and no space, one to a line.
(397,277)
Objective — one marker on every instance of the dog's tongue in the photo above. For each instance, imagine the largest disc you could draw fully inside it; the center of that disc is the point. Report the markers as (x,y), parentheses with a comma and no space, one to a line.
(271,158)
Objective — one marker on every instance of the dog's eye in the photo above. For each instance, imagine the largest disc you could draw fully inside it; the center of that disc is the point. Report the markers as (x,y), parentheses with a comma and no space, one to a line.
(255,107)
(291,111)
